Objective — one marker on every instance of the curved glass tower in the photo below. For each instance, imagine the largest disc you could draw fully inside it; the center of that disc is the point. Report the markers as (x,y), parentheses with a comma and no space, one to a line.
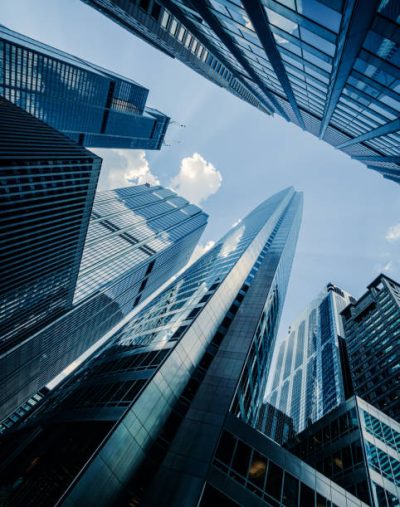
(138,237)
(164,383)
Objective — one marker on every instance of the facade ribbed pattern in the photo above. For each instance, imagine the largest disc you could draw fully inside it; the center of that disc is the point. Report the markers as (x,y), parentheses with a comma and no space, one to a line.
(138,237)
(329,66)
(94,107)
(316,363)
(47,186)
(372,328)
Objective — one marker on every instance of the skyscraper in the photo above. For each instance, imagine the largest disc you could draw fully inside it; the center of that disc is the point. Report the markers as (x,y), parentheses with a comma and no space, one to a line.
(372,327)
(329,66)
(308,381)
(358,447)
(93,106)
(138,238)
(143,417)
(47,187)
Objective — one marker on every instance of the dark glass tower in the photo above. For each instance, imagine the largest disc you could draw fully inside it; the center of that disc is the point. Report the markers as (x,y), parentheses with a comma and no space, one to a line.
(47,186)
(308,381)
(94,107)
(141,420)
(138,238)
(358,447)
(331,67)
(372,327)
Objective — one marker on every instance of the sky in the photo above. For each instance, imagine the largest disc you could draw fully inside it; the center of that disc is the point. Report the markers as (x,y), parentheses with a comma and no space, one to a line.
(228,156)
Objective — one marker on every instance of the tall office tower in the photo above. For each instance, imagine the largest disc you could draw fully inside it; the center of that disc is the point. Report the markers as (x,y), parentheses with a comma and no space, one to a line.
(163,384)
(358,447)
(94,107)
(275,424)
(47,186)
(329,66)
(138,238)
(372,328)
(308,380)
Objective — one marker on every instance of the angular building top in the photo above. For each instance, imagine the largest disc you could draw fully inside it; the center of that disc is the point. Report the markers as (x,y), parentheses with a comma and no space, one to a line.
(138,238)
(372,328)
(93,106)
(329,66)
(308,378)
(47,187)
(198,350)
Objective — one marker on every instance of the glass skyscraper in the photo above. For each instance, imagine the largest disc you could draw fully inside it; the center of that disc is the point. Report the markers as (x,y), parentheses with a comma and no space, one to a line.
(138,237)
(47,186)
(372,327)
(140,421)
(358,447)
(332,67)
(309,377)
(93,106)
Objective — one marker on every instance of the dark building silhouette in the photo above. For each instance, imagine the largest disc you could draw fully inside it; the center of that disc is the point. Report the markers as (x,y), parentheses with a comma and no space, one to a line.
(47,189)
(372,329)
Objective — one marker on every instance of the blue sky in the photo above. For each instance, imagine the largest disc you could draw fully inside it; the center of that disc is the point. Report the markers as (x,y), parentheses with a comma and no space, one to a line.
(349,210)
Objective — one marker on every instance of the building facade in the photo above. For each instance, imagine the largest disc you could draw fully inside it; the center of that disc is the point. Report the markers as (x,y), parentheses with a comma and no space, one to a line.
(249,469)
(275,424)
(329,66)
(47,187)
(197,351)
(138,237)
(93,106)
(372,328)
(358,447)
(308,381)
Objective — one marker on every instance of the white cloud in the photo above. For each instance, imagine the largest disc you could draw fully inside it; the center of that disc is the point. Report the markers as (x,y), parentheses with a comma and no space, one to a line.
(122,168)
(393,233)
(388,267)
(197,179)
(200,250)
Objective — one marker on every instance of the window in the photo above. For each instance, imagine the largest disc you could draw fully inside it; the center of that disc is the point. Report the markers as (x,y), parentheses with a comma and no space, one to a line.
(257,469)
(212,496)
(225,448)
(274,481)
(173,27)
(241,459)
(181,34)
(165,19)
(290,490)
(306,496)
(188,40)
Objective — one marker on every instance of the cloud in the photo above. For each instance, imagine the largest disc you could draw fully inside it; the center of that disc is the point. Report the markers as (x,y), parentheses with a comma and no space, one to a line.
(393,233)
(388,267)
(197,179)
(122,168)
(200,250)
